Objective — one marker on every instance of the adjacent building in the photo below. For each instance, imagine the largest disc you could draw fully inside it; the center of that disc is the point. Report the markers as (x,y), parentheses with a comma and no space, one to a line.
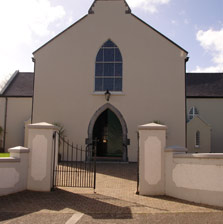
(205,99)
(15,108)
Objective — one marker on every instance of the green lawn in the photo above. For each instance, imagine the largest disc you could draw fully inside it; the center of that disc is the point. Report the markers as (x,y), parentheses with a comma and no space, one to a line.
(4,155)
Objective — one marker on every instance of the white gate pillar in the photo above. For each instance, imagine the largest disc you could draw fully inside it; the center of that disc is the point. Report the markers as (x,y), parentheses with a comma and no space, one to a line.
(41,156)
(152,142)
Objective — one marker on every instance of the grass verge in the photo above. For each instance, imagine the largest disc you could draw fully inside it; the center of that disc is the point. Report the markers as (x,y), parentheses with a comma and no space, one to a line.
(4,154)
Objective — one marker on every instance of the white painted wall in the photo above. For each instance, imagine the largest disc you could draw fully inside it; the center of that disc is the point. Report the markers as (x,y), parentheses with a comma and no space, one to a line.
(153,76)
(173,172)
(33,170)
(194,177)
(152,141)
(18,111)
(40,142)
(13,171)
(194,125)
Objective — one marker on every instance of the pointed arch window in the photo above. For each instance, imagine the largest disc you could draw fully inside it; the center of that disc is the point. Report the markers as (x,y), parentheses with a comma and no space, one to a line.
(192,113)
(197,139)
(108,68)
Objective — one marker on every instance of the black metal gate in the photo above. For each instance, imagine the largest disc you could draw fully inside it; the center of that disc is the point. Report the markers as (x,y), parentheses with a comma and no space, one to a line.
(73,166)
(137,187)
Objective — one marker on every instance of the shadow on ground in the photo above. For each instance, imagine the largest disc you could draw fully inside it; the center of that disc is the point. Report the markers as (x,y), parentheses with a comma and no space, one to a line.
(27,202)
(97,206)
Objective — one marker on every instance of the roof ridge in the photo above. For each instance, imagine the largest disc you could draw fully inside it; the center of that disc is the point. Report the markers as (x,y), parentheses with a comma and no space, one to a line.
(90,11)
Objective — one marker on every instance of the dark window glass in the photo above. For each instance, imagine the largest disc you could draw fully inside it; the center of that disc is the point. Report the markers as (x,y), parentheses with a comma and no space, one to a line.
(118,84)
(118,56)
(109,54)
(99,69)
(109,84)
(109,69)
(109,43)
(100,55)
(118,69)
(98,84)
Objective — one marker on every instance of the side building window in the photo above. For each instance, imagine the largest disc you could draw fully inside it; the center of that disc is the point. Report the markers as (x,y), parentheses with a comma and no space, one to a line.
(108,68)
(192,113)
(197,139)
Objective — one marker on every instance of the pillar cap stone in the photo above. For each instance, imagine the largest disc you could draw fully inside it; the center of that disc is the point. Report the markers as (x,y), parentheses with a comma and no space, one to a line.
(152,126)
(43,125)
(19,149)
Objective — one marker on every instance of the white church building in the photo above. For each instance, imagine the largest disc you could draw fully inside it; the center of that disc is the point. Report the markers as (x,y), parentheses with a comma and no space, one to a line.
(107,74)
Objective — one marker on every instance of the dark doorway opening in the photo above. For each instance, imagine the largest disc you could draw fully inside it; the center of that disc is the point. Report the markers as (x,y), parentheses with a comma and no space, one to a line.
(109,135)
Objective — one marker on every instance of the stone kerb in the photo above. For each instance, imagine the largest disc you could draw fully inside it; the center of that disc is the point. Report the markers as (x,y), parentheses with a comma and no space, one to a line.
(40,142)
(152,142)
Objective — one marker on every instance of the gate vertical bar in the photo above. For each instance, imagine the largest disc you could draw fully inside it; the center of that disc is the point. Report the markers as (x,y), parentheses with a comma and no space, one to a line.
(85,169)
(76,179)
(81,169)
(71,173)
(95,150)
(72,155)
(137,188)
(54,157)
(67,166)
(63,163)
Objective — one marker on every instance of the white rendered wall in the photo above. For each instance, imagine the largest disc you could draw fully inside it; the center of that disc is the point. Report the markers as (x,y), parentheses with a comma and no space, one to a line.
(197,124)
(41,157)
(153,76)
(13,171)
(19,110)
(152,141)
(195,177)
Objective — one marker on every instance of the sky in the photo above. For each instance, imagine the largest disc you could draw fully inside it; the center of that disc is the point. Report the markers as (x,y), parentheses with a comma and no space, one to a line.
(195,25)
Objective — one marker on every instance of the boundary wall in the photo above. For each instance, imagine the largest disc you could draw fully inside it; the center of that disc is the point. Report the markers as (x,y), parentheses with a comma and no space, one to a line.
(172,171)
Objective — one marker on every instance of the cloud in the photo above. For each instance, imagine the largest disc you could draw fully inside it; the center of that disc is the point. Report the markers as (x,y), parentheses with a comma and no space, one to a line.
(210,69)
(26,17)
(22,22)
(211,41)
(147,5)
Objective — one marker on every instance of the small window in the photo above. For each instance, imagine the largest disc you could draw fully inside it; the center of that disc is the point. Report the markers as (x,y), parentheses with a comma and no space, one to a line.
(192,113)
(108,68)
(197,139)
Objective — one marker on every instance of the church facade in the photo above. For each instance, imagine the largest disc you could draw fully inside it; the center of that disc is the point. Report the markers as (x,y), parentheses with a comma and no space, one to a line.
(105,75)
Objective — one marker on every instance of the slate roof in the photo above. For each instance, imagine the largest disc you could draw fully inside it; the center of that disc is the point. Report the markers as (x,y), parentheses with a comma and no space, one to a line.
(204,85)
(19,85)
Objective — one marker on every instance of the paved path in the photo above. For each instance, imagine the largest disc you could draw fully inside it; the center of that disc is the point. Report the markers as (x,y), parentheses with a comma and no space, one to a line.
(115,201)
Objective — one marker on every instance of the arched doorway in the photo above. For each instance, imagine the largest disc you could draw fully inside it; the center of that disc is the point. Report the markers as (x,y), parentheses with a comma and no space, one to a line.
(109,128)
(108,132)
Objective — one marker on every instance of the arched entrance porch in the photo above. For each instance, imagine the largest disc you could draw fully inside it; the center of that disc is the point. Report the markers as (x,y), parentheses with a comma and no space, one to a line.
(109,127)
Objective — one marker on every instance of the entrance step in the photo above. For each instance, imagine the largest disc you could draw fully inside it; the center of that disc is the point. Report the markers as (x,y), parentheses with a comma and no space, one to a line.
(109,159)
